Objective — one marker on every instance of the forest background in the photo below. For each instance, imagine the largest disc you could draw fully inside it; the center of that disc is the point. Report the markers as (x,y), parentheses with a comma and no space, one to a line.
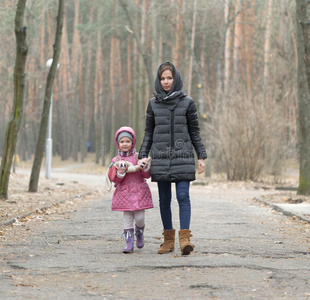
(238,59)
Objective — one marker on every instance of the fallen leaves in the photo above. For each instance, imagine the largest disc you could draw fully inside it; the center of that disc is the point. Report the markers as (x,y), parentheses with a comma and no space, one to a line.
(278,242)
(25,285)
(293,200)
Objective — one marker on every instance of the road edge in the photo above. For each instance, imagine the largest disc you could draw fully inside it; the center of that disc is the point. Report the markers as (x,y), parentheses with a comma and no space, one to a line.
(282,210)
(42,208)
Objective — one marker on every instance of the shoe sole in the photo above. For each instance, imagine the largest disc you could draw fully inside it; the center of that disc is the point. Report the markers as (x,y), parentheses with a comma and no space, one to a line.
(128,251)
(187,250)
(171,250)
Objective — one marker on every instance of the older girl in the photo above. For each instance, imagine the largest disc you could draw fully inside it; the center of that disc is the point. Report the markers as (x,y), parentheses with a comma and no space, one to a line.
(171,136)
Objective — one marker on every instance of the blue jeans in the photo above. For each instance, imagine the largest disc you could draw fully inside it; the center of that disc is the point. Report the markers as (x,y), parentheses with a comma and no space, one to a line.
(182,192)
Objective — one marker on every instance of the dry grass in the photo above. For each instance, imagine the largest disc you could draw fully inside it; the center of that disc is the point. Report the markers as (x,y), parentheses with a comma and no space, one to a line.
(50,191)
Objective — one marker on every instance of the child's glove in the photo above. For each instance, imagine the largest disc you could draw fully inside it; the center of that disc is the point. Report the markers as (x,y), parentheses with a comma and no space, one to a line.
(144,164)
(121,167)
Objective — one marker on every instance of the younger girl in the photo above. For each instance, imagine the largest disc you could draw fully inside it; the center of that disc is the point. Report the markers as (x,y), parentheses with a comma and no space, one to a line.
(132,194)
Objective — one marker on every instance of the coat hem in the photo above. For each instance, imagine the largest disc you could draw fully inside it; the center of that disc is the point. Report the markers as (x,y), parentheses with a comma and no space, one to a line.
(120,209)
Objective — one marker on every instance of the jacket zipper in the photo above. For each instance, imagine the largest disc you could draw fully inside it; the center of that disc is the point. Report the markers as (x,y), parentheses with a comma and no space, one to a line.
(172,130)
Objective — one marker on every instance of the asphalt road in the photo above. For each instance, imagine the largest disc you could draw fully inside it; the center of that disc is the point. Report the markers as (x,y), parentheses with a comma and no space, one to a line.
(243,251)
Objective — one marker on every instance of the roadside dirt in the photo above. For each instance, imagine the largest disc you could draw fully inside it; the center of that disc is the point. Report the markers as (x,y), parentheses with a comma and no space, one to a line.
(65,191)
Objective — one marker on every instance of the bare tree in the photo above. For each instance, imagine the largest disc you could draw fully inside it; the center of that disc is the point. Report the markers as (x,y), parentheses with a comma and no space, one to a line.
(178,39)
(303,78)
(74,66)
(113,73)
(189,87)
(193,62)
(67,132)
(228,46)
(224,49)
(17,112)
(238,40)
(35,172)
(267,48)
(142,50)
(249,33)
(98,90)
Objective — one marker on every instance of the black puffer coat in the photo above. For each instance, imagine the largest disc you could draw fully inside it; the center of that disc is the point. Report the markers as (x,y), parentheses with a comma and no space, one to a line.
(172,133)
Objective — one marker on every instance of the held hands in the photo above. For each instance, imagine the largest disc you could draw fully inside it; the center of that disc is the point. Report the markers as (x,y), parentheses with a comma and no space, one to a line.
(201,166)
(143,163)
(124,166)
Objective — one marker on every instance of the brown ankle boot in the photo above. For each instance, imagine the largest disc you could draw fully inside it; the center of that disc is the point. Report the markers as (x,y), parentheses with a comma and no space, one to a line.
(185,245)
(168,245)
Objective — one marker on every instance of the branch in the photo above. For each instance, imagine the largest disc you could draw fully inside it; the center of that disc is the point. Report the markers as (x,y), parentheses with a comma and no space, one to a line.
(141,49)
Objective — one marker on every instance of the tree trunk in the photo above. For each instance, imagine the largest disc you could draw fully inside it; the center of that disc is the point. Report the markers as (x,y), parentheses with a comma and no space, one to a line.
(155,33)
(65,85)
(178,38)
(267,49)
(160,39)
(193,63)
(136,85)
(238,38)
(74,67)
(87,90)
(228,43)
(113,77)
(35,172)
(249,33)
(142,90)
(17,112)
(129,80)
(99,82)
(76,46)
(303,81)
(189,87)
(142,50)
(82,117)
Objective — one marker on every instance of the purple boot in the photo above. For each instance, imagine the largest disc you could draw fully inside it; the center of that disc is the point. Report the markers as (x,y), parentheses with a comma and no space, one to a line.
(129,237)
(140,237)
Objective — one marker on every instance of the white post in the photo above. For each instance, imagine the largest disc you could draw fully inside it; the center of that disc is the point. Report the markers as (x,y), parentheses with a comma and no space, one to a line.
(49,141)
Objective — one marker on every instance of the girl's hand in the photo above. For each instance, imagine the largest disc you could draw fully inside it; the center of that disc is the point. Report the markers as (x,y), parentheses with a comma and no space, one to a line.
(201,166)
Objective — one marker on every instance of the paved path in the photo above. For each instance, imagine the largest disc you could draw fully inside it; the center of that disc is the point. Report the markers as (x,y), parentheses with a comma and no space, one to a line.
(243,251)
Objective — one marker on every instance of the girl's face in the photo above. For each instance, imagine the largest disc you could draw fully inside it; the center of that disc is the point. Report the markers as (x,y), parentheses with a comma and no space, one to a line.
(125,144)
(166,80)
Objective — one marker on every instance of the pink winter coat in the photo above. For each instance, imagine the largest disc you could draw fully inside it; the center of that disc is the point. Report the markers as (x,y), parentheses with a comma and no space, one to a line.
(132,191)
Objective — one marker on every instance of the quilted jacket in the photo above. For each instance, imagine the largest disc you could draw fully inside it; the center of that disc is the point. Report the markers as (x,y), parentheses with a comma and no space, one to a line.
(132,191)
(172,134)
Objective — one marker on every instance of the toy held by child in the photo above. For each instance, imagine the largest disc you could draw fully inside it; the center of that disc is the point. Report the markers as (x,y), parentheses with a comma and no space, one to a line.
(132,194)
